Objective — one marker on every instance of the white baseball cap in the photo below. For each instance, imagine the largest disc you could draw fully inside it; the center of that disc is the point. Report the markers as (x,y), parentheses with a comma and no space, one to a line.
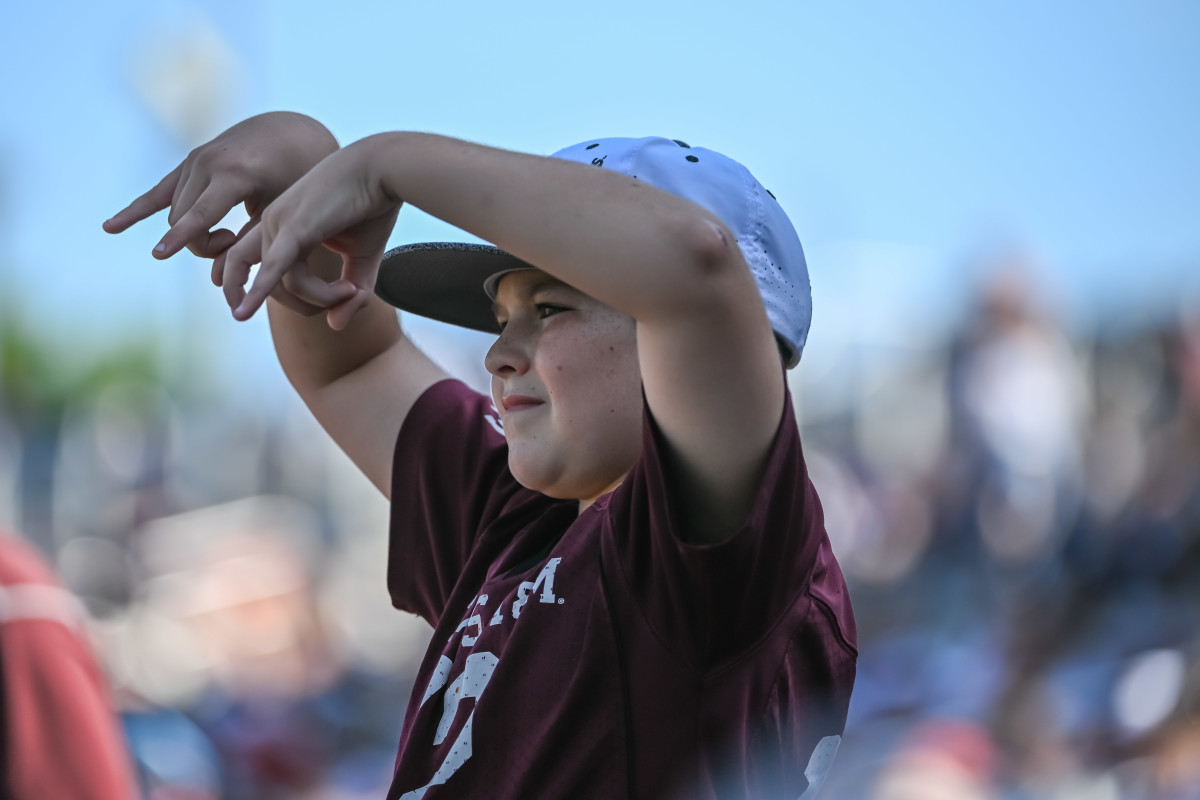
(455,282)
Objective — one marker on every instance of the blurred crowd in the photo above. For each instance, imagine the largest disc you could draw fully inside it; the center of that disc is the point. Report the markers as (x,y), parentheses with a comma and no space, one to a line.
(1018,515)
(1016,509)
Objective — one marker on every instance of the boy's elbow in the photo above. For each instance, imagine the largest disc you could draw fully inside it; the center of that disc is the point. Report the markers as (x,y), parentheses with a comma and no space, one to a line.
(714,258)
(713,243)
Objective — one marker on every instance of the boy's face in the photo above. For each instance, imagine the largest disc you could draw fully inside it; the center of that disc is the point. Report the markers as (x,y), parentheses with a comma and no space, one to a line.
(566,382)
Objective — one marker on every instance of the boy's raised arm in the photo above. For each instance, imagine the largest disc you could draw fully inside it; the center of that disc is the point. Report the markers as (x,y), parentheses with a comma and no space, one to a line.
(359,382)
(710,367)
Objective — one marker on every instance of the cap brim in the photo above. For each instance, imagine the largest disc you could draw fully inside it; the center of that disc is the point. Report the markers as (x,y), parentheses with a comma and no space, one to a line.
(444,281)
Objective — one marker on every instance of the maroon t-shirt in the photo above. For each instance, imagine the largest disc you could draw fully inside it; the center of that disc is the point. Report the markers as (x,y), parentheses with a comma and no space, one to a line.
(598,655)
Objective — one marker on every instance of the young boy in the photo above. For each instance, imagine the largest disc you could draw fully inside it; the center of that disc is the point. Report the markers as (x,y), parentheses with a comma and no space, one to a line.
(621,553)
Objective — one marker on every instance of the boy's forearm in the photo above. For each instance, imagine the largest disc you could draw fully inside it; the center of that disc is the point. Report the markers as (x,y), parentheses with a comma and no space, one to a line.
(314,355)
(641,250)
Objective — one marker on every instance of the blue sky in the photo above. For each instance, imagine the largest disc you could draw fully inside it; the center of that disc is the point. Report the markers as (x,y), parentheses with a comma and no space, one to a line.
(907,140)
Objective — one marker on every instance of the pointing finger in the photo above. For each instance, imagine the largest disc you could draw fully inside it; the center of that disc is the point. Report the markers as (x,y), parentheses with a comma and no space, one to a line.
(193,227)
(149,203)
(281,254)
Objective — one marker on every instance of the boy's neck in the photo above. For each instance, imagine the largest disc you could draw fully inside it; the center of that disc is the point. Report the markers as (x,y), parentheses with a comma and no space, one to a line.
(586,502)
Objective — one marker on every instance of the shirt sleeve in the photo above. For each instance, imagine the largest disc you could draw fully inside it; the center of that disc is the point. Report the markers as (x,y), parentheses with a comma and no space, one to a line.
(711,603)
(450,481)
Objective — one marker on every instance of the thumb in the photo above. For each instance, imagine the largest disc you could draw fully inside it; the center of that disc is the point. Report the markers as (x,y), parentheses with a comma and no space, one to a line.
(339,316)
(211,245)
(361,270)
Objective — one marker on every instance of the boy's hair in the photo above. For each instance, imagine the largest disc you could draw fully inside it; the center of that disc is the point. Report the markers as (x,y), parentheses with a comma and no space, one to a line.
(452,281)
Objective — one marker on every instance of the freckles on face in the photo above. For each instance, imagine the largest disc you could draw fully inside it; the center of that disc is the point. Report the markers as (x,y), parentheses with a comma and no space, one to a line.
(596,408)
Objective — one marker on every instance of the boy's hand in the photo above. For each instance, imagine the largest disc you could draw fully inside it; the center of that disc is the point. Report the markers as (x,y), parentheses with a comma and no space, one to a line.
(252,163)
(339,204)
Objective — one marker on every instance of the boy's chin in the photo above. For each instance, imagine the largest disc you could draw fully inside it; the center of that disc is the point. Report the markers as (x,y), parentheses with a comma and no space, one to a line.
(544,478)
(531,474)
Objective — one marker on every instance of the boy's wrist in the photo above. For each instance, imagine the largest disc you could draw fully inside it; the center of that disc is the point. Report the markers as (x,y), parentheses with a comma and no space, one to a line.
(301,143)
(381,151)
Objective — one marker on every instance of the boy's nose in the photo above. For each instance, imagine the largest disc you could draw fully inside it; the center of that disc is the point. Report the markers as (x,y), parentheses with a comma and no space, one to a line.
(508,354)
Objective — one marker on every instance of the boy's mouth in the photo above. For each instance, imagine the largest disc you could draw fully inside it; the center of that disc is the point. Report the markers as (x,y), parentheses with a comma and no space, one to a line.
(516,402)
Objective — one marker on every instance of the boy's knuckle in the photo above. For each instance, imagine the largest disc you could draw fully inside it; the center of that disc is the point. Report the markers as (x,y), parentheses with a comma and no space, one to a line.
(235,178)
(201,159)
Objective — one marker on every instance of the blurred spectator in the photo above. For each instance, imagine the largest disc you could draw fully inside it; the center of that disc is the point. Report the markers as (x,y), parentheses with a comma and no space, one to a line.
(60,738)
(1017,400)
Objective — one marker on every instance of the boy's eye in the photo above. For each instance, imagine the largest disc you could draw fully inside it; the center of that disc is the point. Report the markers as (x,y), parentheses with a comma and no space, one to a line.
(543,310)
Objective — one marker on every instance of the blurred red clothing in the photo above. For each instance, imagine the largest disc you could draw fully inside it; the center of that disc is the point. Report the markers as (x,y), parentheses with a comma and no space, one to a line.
(61,739)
